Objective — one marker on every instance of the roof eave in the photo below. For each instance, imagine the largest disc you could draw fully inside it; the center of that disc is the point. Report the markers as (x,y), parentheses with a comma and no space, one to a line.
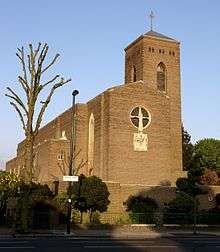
(134,42)
(163,39)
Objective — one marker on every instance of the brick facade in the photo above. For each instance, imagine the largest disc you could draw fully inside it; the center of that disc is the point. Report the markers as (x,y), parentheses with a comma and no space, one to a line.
(115,160)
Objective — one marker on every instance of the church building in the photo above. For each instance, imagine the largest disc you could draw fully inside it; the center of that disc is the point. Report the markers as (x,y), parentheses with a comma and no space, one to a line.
(130,135)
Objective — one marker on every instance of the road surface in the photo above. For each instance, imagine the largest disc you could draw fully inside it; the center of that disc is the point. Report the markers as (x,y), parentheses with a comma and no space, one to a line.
(174,243)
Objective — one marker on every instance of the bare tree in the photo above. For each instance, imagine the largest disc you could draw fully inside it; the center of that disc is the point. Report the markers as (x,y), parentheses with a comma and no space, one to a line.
(31,110)
(65,162)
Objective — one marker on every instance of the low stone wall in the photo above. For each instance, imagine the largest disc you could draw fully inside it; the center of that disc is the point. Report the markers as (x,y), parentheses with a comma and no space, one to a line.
(119,193)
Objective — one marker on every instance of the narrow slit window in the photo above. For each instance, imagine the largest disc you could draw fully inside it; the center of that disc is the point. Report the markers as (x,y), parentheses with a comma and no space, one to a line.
(134,74)
(91,144)
(161,77)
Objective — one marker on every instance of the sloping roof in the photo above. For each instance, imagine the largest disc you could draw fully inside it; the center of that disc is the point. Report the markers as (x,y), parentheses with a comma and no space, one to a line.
(158,35)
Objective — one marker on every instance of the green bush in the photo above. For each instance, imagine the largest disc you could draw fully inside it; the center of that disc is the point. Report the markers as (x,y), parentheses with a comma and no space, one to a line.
(123,220)
(179,210)
(141,208)
(209,217)
(142,218)
(95,218)
(209,148)
(90,194)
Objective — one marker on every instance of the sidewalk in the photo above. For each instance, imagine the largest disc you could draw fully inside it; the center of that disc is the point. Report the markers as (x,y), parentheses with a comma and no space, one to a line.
(139,234)
(115,234)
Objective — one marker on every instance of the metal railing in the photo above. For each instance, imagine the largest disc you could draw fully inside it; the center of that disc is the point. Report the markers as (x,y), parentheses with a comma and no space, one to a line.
(43,221)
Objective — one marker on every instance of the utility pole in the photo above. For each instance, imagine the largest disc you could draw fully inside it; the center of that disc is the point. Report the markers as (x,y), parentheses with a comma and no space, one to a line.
(72,155)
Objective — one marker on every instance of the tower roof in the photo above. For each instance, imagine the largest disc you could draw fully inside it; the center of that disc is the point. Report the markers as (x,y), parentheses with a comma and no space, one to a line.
(158,35)
(153,34)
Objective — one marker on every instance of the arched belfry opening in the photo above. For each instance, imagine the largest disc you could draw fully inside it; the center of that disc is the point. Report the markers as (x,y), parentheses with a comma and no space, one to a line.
(91,144)
(161,77)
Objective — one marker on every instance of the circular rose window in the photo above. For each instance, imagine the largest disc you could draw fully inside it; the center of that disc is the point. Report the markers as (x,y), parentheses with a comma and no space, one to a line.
(140,118)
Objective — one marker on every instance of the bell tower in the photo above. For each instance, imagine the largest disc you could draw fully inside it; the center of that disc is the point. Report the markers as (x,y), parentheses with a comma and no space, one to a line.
(149,57)
(154,59)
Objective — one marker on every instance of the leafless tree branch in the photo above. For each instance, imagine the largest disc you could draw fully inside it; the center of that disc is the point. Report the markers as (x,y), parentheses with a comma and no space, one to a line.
(80,166)
(43,54)
(30,81)
(23,84)
(50,81)
(52,62)
(16,98)
(22,59)
(62,167)
(20,115)
(77,154)
(45,104)
(37,50)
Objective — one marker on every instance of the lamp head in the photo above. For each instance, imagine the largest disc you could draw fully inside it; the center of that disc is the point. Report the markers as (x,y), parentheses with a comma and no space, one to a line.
(75,92)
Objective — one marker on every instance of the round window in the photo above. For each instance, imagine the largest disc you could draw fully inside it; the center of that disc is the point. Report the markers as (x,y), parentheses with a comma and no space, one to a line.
(140,117)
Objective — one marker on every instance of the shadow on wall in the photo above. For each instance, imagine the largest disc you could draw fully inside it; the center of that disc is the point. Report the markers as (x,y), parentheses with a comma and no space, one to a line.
(162,194)
(207,201)
(111,231)
(173,207)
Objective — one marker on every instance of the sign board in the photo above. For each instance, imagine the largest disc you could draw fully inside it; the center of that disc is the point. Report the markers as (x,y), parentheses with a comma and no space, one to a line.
(71,178)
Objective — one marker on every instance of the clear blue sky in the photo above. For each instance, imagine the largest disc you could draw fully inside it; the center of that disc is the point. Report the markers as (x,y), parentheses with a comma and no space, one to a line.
(91,36)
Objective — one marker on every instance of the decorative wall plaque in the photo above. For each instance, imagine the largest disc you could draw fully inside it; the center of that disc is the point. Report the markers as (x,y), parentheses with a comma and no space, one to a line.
(140,142)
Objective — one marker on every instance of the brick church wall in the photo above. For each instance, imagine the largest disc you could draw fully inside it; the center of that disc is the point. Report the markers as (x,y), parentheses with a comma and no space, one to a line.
(125,171)
(48,145)
(12,165)
(47,163)
(94,106)
(126,165)
(99,106)
(119,193)
(134,58)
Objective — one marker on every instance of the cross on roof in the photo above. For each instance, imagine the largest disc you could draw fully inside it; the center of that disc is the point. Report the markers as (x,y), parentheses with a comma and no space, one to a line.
(151,20)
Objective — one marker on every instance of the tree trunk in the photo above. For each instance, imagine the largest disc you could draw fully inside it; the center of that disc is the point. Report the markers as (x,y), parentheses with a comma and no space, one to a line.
(90,216)
(29,162)
(25,213)
(81,217)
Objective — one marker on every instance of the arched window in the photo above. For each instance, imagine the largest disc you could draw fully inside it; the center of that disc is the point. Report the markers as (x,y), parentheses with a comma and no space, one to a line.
(161,77)
(91,144)
(134,74)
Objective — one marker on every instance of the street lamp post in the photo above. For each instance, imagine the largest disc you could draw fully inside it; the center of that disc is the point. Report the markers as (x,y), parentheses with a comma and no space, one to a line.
(72,153)
(73,132)
(69,216)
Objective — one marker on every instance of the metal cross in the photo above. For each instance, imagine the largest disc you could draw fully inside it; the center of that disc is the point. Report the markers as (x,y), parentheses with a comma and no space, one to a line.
(151,20)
